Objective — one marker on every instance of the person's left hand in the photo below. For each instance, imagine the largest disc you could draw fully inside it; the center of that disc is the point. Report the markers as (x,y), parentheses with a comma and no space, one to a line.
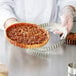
(66,21)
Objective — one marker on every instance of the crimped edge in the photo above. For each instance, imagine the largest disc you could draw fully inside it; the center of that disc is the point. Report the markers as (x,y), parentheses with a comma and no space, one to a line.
(23,45)
(70,41)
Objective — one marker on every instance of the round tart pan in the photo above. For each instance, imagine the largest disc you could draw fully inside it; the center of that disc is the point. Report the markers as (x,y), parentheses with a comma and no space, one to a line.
(49,48)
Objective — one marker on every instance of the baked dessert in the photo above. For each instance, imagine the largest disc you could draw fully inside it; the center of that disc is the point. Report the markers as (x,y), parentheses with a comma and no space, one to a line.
(71,38)
(26,35)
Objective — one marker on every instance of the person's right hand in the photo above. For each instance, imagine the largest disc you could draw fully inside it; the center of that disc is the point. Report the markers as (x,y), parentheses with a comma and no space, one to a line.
(9,22)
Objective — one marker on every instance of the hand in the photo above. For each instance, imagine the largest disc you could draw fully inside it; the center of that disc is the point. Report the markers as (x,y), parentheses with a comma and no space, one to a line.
(58,29)
(9,22)
(66,17)
(66,21)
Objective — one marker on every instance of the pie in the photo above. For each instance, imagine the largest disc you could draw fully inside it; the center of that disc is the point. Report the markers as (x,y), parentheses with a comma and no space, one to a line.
(26,35)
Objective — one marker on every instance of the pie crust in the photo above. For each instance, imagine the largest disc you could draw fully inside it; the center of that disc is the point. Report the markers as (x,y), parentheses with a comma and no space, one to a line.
(26,35)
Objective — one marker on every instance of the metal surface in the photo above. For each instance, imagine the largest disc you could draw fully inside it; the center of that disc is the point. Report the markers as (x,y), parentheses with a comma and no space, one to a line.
(22,64)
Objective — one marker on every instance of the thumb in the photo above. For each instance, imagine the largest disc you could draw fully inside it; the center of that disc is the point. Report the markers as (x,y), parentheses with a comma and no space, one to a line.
(10,22)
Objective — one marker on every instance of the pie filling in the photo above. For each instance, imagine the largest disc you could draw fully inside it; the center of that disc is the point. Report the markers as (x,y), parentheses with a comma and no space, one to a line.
(28,34)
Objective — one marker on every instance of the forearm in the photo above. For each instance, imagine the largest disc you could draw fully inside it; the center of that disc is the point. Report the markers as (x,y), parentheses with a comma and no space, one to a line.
(72,7)
(6,12)
(67,14)
(68,10)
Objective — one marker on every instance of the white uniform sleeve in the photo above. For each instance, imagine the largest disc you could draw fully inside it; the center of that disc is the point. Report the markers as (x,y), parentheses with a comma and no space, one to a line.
(63,3)
(6,11)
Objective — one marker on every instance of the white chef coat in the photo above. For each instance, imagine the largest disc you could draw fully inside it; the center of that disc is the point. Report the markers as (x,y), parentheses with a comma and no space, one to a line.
(33,11)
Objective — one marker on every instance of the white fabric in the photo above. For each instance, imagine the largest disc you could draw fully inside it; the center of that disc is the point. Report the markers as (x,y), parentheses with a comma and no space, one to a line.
(34,11)
(63,3)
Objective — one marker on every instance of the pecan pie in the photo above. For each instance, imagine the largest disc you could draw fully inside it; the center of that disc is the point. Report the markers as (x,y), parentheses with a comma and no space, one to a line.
(26,35)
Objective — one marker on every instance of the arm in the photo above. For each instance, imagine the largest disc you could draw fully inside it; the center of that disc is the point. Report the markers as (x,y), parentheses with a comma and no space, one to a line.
(66,16)
(64,3)
(6,12)
(67,10)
